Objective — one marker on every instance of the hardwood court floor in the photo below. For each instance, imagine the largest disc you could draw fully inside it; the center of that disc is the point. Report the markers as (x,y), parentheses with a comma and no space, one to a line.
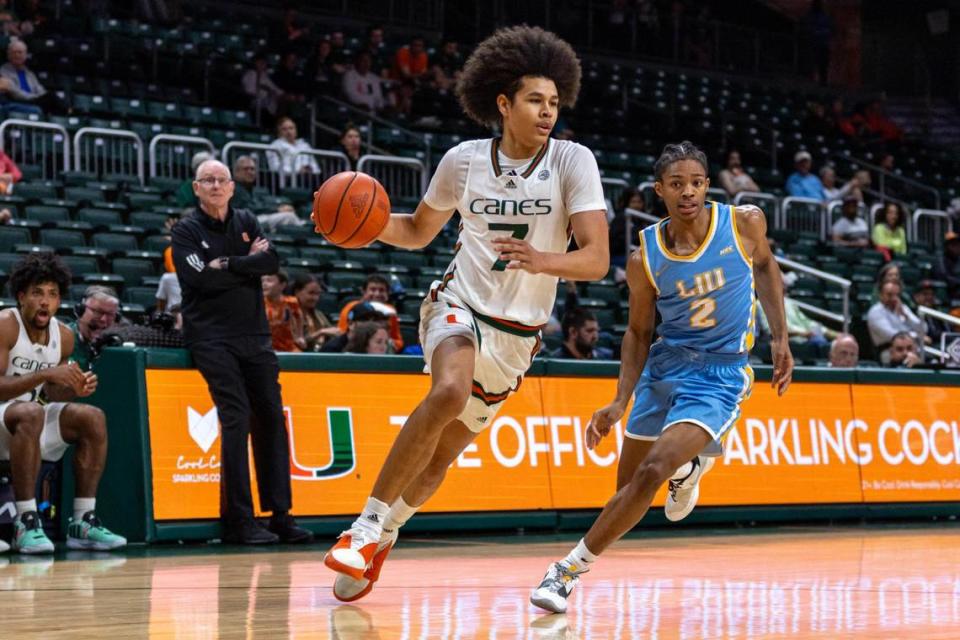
(865,582)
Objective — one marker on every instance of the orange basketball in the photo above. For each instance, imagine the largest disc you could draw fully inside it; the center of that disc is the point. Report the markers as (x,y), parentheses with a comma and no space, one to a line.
(350,209)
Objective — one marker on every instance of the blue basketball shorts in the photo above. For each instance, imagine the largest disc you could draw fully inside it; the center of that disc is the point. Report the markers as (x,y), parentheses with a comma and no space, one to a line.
(679,384)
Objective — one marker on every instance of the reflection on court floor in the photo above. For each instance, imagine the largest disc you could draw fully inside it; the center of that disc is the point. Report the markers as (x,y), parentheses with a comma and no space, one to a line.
(846,583)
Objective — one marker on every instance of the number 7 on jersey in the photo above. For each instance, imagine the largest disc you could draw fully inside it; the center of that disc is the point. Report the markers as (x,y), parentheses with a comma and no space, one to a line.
(519,232)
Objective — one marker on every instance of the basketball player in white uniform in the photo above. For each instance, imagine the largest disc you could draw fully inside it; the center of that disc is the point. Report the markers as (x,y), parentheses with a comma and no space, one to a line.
(518,196)
(36,421)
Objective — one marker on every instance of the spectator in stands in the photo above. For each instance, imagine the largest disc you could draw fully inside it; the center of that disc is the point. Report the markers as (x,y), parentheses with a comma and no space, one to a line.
(733,178)
(447,65)
(264,94)
(925,296)
(362,87)
(358,314)
(350,145)
(802,183)
(185,197)
(283,314)
(245,179)
(581,332)
(317,328)
(288,160)
(290,77)
(20,86)
(817,122)
(879,124)
(375,46)
(828,176)
(844,351)
(98,311)
(904,352)
(292,34)
(850,230)
(368,337)
(890,316)
(244,197)
(168,295)
(410,67)
(9,173)
(947,267)
(376,288)
(889,233)
(325,70)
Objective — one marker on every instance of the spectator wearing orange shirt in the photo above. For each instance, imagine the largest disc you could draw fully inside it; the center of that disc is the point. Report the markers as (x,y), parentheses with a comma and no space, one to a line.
(283,314)
(410,66)
(375,289)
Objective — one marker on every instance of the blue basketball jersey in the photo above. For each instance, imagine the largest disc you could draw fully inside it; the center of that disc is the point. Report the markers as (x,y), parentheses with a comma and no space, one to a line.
(706,300)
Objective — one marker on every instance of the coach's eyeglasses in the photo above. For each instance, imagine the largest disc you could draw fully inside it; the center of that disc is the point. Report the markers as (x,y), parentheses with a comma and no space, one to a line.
(209,182)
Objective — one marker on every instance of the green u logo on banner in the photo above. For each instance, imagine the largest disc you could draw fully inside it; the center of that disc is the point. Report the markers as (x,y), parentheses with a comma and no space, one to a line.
(342,456)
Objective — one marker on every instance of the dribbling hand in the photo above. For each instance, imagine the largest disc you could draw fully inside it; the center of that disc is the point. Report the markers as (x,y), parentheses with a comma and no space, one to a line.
(602,421)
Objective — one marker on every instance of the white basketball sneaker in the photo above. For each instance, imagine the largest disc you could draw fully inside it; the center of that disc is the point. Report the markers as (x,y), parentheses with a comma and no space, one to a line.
(348,589)
(685,491)
(556,587)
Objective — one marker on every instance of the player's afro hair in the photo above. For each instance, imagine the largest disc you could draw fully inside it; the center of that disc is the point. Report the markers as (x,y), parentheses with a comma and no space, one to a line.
(671,153)
(500,62)
(36,268)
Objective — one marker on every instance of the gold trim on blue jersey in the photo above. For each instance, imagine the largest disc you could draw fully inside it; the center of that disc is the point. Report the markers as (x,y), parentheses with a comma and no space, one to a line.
(736,237)
(669,255)
(646,264)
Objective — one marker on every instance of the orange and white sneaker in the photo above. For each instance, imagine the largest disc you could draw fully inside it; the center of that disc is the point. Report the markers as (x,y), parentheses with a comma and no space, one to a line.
(348,589)
(353,552)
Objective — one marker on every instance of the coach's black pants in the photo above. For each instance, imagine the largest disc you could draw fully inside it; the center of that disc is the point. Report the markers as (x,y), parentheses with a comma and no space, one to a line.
(243,377)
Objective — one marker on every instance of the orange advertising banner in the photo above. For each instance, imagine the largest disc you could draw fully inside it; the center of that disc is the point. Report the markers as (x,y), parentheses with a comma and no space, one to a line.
(820,444)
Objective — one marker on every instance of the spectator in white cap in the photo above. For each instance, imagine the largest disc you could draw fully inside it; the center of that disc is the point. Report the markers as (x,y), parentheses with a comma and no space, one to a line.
(802,183)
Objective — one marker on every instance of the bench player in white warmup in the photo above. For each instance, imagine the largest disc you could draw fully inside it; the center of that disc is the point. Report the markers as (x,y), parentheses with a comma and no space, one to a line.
(36,421)
(518,197)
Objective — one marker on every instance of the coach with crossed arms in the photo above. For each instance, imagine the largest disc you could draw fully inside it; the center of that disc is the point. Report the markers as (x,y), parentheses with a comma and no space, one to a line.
(220,253)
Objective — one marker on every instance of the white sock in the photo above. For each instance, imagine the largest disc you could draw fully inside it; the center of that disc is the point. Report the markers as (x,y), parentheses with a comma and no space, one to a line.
(373,515)
(580,557)
(682,471)
(81,506)
(25,506)
(400,512)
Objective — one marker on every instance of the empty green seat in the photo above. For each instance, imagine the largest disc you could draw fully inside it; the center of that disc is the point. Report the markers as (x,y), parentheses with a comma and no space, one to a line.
(115,242)
(133,270)
(62,239)
(45,214)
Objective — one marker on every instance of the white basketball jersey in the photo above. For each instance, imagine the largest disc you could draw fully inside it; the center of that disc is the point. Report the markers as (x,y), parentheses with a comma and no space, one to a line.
(532,202)
(26,357)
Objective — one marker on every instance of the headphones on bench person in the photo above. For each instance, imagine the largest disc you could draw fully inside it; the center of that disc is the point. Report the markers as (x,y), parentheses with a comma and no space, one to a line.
(96,290)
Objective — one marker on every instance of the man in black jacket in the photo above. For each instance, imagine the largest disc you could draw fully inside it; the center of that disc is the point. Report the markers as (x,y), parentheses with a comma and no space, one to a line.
(220,254)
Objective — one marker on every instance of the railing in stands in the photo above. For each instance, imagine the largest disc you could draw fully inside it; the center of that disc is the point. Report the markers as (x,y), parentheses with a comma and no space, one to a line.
(116,153)
(265,176)
(325,163)
(43,143)
(405,179)
(929,226)
(171,156)
(884,176)
(843,283)
(925,312)
(802,220)
(358,115)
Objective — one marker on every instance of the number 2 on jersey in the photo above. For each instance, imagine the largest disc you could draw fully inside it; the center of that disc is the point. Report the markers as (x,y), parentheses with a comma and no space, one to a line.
(702,309)
(519,232)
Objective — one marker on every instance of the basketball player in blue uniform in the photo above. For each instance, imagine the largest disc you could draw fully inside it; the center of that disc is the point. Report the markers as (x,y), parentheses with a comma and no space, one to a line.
(703,269)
